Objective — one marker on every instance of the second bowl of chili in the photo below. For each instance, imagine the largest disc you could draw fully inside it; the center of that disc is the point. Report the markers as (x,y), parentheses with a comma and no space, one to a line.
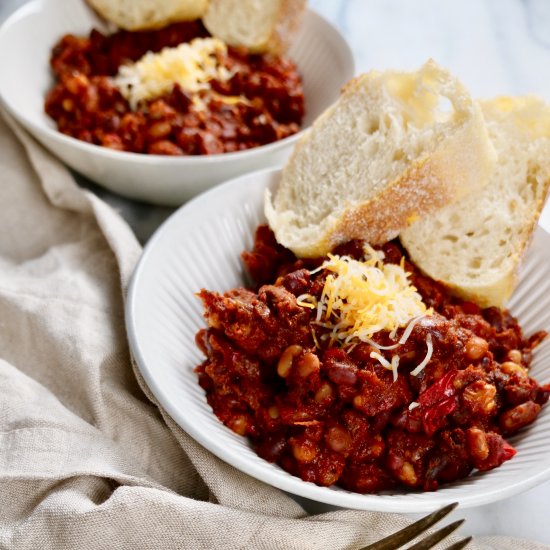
(164,156)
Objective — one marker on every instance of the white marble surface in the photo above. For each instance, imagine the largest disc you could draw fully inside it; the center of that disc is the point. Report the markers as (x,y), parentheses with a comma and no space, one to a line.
(496,47)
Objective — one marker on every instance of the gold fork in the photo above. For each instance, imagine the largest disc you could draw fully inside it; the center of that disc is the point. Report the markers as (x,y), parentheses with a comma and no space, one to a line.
(406,535)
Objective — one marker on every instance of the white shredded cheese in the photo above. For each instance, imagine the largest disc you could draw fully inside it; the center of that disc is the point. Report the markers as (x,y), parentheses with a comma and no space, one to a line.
(381,359)
(192,65)
(379,346)
(426,359)
(394,365)
(404,337)
(319,312)
(408,331)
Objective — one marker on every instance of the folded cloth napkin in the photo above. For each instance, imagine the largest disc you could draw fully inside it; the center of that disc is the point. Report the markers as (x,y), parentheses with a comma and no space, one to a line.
(88,459)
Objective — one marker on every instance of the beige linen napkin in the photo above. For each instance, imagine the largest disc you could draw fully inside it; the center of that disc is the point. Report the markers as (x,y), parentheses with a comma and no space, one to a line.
(88,460)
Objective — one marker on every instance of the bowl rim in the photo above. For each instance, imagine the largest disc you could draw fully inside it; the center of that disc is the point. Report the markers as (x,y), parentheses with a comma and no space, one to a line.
(37,6)
(396,503)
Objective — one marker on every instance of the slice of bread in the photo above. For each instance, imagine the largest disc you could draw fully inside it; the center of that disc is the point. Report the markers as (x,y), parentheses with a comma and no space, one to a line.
(259,25)
(394,147)
(134,15)
(475,245)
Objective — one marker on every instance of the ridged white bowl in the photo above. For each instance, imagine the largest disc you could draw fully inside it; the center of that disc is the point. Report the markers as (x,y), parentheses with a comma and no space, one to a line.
(323,57)
(199,247)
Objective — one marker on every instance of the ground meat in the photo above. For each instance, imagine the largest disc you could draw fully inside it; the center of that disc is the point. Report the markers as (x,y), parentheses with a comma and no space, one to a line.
(334,415)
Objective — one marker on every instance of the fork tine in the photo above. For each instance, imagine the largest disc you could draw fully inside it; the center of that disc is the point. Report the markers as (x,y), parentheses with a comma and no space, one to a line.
(460,544)
(431,540)
(410,532)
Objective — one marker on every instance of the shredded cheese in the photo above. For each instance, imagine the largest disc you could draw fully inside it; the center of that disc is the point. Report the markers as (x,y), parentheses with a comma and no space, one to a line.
(360,299)
(314,336)
(381,359)
(394,366)
(404,337)
(408,331)
(380,346)
(306,300)
(426,359)
(192,65)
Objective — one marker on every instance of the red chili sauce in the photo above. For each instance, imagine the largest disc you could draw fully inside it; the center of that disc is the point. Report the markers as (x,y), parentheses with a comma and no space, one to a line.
(332,415)
(86,105)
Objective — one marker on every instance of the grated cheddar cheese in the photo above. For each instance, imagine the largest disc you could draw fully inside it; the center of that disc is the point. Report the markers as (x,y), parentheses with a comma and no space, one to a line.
(360,299)
(191,65)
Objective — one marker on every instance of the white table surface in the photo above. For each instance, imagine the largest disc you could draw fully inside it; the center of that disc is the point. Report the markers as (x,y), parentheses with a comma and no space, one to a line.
(496,47)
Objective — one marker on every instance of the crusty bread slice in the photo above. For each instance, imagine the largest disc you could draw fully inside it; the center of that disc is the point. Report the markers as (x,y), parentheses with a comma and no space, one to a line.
(475,245)
(134,15)
(259,25)
(395,146)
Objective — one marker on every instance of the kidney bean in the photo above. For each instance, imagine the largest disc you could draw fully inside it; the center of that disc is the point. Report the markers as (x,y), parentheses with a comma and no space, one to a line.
(297,282)
(272,447)
(368,478)
(187,139)
(340,368)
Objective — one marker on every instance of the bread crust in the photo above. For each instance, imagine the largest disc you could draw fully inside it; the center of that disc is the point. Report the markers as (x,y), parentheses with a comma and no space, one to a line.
(282,30)
(137,15)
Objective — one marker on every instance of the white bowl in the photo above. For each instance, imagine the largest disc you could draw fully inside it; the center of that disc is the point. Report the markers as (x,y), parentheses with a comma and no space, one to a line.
(198,247)
(323,57)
